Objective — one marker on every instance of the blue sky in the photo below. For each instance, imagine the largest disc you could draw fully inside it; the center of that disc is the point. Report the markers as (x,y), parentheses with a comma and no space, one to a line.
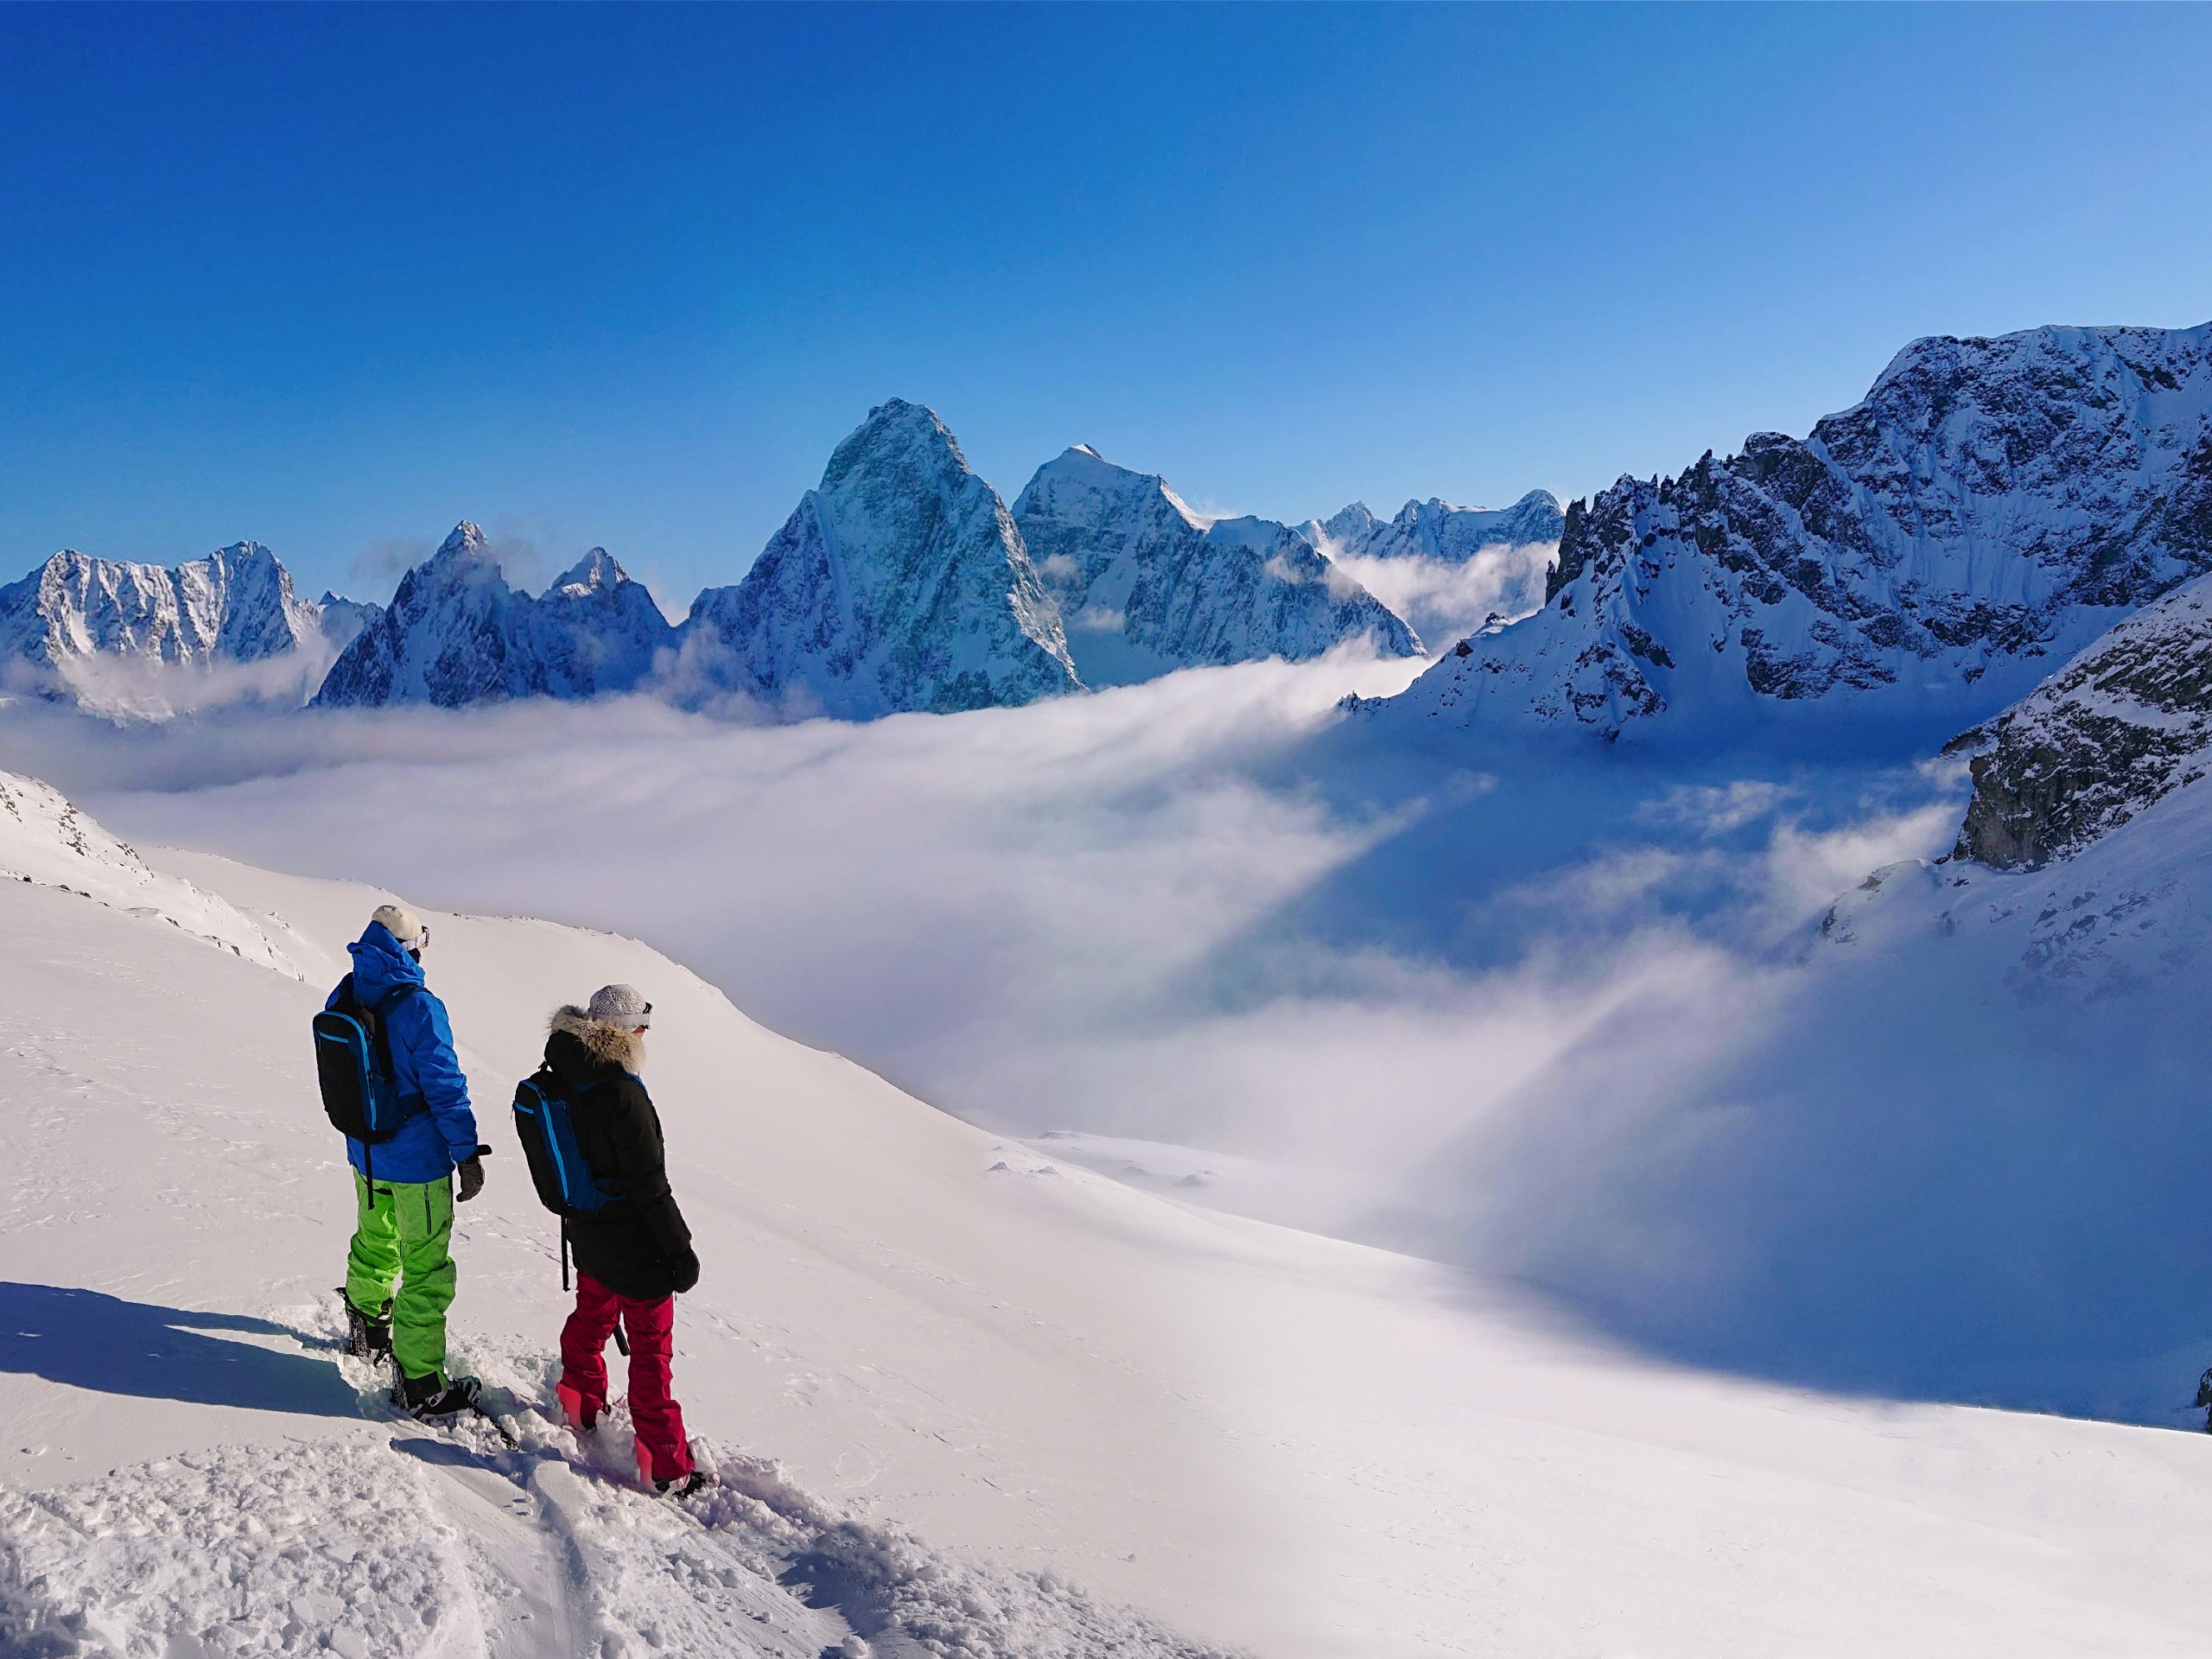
(335,278)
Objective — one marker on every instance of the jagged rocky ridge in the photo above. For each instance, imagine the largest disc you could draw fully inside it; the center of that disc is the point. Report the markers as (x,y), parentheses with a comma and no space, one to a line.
(457,633)
(900,584)
(1990,507)
(2123,725)
(101,630)
(1145,586)
(1435,530)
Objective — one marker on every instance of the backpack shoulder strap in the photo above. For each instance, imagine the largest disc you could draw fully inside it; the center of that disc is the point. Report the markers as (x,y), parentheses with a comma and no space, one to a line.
(392,998)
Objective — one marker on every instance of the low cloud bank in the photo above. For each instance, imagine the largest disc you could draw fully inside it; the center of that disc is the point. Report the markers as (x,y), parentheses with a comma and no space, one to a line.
(1571,1017)
(1444,602)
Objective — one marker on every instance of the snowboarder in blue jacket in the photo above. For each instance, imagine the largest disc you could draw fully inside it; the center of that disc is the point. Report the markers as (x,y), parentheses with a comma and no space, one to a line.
(399,1273)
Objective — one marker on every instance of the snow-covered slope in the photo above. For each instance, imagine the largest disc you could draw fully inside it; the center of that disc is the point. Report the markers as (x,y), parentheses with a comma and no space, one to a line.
(1076,1397)
(2122,725)
(144,638)
(46,842)
(1992,506)
(1145,586)
(456,633)
(902,583)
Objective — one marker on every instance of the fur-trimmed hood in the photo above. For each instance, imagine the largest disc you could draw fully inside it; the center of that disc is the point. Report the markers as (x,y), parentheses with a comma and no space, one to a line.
(618,1047)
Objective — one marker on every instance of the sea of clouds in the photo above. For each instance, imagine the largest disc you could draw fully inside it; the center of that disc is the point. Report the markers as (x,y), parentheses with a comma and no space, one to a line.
(1565,1013)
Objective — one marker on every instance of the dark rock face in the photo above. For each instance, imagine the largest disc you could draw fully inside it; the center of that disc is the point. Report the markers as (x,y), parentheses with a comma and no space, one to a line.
(1991,505)
(2121,726)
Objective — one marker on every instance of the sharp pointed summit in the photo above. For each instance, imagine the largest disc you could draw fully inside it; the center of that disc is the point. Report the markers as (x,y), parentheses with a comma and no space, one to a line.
(456,632)
(902,583)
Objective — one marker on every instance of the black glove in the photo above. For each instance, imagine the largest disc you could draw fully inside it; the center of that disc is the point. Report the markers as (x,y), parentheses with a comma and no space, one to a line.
(472,1179)
(687,1269)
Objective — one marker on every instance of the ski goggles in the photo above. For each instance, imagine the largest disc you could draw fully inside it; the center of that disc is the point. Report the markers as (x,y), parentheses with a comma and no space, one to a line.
(645,1019)
(421,942)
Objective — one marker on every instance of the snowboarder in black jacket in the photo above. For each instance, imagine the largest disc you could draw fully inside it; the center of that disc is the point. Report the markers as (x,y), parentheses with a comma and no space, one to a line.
(634,1254)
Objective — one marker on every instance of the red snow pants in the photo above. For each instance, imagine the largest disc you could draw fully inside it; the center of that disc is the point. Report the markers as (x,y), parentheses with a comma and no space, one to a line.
(651,1326)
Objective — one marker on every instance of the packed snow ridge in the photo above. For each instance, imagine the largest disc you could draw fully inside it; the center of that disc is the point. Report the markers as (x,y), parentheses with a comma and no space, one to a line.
(45,841)
(1990,507)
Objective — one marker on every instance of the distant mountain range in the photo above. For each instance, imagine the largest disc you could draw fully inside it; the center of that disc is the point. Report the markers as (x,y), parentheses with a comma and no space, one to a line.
(902,583)
(129,637)
(1989,511)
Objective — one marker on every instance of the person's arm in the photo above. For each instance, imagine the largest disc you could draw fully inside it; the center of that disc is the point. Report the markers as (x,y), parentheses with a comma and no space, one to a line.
(641,1168)
(421,1021)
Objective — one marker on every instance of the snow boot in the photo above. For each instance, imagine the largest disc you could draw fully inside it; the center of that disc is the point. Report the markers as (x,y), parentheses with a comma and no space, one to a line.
(433,1396)
(581,1419)
(367,1336)
(683,1486)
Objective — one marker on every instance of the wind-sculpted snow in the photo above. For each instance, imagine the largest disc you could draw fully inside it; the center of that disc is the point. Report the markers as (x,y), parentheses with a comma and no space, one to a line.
(47,842)
(1146,585)
(131,638)
(902,583)
(1992,506)
(2124,723)
(456,633)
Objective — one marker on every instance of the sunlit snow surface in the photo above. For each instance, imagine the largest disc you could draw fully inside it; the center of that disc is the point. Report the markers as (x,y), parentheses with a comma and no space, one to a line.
(966,1396)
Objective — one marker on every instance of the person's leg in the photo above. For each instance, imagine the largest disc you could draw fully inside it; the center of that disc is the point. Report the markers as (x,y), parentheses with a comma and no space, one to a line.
(582,1389)
(664,1454)
(424,1209)
(373,1260)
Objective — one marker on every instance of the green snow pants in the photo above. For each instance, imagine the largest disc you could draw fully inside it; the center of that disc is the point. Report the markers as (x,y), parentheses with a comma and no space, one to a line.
(402,1243)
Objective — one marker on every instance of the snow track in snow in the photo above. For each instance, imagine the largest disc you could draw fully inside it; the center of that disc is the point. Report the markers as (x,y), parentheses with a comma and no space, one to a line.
(448,1543)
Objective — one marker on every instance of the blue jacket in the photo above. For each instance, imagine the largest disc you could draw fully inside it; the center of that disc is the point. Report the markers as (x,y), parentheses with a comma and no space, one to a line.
(430,1141)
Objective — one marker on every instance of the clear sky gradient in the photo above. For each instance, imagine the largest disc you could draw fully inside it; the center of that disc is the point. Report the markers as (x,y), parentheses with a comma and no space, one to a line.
(333,279)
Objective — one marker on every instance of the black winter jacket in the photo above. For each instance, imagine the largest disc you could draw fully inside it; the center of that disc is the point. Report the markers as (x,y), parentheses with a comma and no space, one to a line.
(633,1244)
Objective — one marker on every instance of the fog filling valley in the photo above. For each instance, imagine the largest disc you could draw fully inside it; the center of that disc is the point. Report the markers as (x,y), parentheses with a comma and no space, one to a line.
(1578,1016)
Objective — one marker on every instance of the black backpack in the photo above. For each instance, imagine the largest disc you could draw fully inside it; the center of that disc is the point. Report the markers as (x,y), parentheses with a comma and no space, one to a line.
(565,1183)
(352,1063)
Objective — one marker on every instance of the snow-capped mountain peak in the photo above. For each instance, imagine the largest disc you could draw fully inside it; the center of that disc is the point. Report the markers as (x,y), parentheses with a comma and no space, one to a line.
(113,635)
(901,583)
(1147,585)
(457,633)
(1989,507)
(1435,529)
(597,570)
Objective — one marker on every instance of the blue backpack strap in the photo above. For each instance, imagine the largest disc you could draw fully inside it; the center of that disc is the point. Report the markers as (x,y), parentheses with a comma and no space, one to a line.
(382,1008)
